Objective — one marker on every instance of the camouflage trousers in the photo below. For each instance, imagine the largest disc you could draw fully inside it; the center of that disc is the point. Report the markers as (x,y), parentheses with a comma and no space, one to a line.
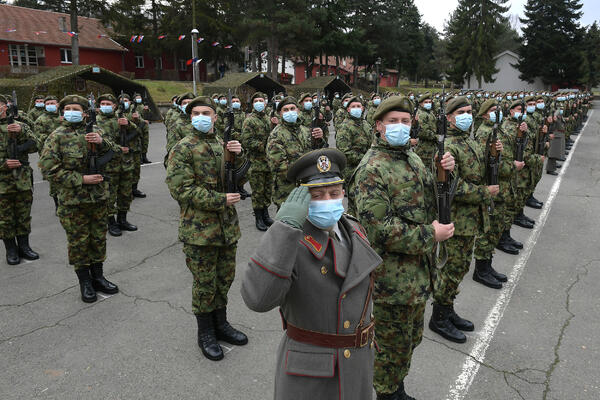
(460,252)
(486,243)
(145,138)
(260,182)
(137,167)
(398,331)
(15,214)
(213,268)
(85,225)
(120,196)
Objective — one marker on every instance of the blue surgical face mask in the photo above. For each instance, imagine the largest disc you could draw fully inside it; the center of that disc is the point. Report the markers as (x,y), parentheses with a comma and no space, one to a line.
(530,109)
(356,112)
(106,109)
(521,96)
(493,116)
(478,94)
(499,98)
(236,105)
(202,123)
(223,102)
(175,103)
(315,101)
(126,105)
(376,101)
(508,97)
(325,213)
(337,96)
(39,105)
(276,104)
(397,134)
(517,115)
(464,121)
(560,112)
(561,98)
(308,105)
(411,97)
(259,106)
(487,95)
(468,96)
(540,106)
(139,101)
(290,116)
(51,108)
(345,104)
(427,106)
(182,108)
(73,117)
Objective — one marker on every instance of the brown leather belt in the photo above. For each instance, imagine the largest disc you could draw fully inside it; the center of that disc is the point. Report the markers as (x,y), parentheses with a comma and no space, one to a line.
(359,339)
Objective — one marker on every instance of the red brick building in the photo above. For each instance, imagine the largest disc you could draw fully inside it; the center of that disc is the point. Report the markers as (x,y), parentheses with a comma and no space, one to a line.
(32,41)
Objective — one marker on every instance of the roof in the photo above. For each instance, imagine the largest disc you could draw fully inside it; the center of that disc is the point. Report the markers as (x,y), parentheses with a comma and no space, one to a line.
(327,84)
(42,28)
(27,88)
(329,60)
(259,81)
(510,53)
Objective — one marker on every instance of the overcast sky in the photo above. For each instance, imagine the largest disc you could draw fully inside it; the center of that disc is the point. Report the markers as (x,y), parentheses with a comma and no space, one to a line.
(435,12)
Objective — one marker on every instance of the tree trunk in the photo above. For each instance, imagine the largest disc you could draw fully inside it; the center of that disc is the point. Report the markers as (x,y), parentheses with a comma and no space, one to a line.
(337,65)
(282,62)
(75,37)
(326,65)
(321,64)
(355,72)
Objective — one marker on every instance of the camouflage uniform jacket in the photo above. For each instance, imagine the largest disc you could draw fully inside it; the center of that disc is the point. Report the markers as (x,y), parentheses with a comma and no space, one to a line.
(171,117)
(35,113)
(255,135)
(19,180)
(392,194)
(469,208)
(238,121)
(135,144)
(109,125)
(44,126)
(370,112)
(340,116)
(510,127)
(507,169)
(427,146)
(286,144)
(353,138)
(180,128)
(195,178)
(65,159)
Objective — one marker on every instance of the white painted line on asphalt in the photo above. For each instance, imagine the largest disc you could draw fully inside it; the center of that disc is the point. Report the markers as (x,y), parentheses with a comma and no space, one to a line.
(143,165)
(471,364)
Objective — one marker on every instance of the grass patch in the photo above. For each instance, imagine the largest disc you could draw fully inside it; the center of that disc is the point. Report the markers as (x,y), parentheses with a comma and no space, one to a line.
(162,91)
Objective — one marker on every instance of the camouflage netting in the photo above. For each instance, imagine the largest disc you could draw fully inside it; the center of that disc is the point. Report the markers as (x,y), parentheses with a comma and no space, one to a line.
(74,79)
(244,85)
(327,85)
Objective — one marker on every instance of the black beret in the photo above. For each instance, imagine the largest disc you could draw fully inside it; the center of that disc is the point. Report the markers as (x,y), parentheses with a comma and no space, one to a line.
(321,167)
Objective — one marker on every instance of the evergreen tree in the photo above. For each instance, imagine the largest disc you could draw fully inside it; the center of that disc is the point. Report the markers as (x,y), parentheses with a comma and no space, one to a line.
(590,68)
(552,42)
(472,34)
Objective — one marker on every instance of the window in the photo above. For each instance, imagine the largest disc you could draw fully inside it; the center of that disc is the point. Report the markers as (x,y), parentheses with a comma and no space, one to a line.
(182,65)
(139,61)
(158,63)
(20,55)
(66,56)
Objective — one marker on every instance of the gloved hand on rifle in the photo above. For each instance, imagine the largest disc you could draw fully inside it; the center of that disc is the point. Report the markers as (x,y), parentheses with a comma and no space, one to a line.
(295,208)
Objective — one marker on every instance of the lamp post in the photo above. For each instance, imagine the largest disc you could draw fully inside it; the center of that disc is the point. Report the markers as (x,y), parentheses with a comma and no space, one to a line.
(377,64)
(194,57)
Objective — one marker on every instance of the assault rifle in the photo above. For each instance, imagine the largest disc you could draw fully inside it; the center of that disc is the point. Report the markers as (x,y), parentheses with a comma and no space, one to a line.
(232,176)
(443,179)
(542,138)
(415,128)
(315,120)
(493,156)
(521,140)
(96,163)
(14,149)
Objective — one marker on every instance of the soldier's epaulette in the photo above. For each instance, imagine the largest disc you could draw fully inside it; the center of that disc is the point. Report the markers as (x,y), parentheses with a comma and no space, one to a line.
(358,227)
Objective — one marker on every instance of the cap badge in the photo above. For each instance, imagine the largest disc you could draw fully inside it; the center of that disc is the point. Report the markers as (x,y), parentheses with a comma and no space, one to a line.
(323,164)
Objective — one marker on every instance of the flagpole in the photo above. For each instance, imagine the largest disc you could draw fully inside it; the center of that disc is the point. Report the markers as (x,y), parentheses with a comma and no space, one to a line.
(194,57)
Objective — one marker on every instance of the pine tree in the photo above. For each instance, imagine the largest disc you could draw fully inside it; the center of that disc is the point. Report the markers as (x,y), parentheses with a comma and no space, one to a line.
(552,42)
(472,34)
(590,68)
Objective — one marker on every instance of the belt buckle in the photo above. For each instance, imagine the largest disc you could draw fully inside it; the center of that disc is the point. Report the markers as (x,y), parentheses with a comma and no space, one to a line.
(364,336)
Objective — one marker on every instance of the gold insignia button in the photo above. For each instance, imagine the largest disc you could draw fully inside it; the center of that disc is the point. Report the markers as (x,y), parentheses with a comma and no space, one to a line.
(323,270)
(344,296)
(346,324)
(347,353)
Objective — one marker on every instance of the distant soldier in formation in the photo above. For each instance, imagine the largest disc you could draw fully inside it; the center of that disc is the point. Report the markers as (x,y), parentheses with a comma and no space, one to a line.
(135,145)
(46,123)
(354,136)
(143,112)
(38,108)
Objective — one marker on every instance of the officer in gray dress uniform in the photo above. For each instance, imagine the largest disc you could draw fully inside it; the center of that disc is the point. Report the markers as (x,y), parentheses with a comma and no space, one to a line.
(315,263)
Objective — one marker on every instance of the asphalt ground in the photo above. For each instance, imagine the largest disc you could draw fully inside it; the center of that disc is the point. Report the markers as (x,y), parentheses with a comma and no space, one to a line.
(535,339)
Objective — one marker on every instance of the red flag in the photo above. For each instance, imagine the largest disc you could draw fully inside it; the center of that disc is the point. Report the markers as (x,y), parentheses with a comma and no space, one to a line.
(214,44)
(140,38)
(228,46)
(200,40)
(181,37)
(133,38)
(162,37)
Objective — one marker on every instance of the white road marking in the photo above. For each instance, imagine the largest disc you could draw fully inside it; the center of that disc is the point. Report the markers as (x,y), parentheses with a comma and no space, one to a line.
(143,165)
(470,367)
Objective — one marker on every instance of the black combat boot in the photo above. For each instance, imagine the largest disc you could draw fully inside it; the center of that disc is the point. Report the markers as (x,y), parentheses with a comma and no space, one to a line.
(225,331)
(500,277)
(122,221)
(260,223)
(145,159)
(113,227)
(522,222)
(266,217)
(401,393)
(88,294)
(99,282)
(533,202)
(440,323)
(526,218)
(24,249)
(512,241)
(137,193)
(12,251)
(389,396)
(459,322)
(243,193)
(483,275)
(207,341)
(552,173)
(505,245)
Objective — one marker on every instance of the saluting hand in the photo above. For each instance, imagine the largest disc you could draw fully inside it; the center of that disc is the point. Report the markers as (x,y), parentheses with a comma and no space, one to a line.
(234,146)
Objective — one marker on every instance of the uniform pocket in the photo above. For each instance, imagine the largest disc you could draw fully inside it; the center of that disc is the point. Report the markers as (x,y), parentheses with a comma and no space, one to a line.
(313,365)
(72,158)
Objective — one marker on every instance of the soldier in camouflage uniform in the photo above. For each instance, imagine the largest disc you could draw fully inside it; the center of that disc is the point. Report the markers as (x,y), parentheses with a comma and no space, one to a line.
(287,143)
(209,227)
(470,216)
(82,196)
(255,134)
(305,116)
(427,129)
(38,108)
(342,112)
(180,126)
(392,193)
(142,122)
(120,168)
(44,126)
(16,187)
(372,108)
(174,110)
(135,146)
(354,136)
(21,116)
(540,134)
